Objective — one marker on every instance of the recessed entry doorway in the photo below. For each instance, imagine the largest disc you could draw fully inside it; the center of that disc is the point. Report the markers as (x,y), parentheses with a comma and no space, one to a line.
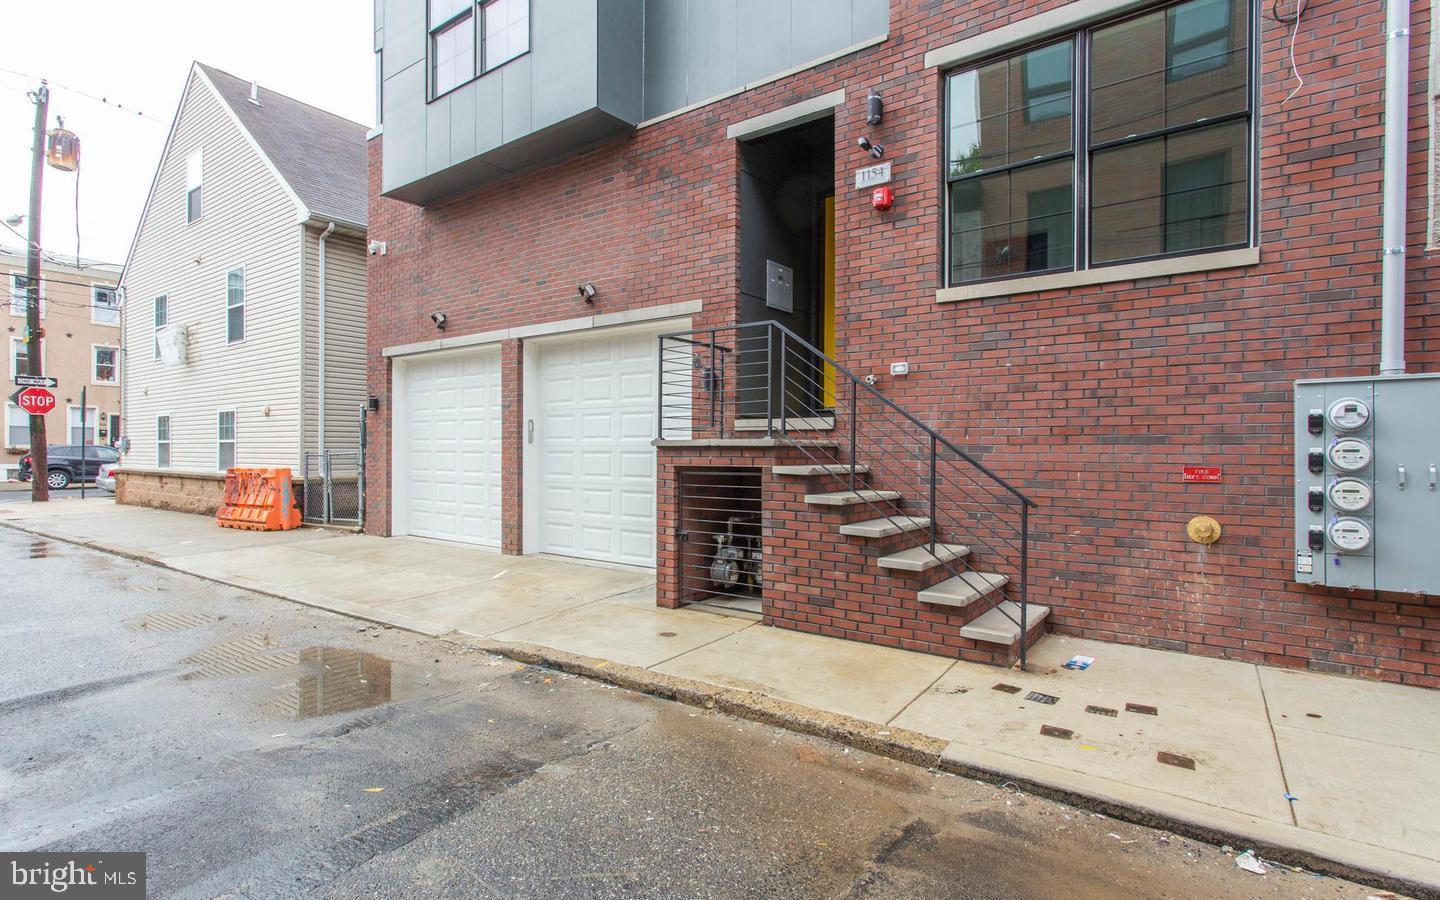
(787,260)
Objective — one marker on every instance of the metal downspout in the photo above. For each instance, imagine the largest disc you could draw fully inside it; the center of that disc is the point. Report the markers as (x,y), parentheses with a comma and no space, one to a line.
(1397,128)
(320,350)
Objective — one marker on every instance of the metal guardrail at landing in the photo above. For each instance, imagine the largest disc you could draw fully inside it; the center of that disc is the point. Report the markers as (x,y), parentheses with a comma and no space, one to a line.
(763,380)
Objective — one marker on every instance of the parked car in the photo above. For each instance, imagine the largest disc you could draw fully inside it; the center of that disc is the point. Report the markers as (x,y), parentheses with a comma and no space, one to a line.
(63,462)
(105,481)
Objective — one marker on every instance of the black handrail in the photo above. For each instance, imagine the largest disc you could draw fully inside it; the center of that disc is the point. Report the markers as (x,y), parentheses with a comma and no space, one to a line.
(860,382)
(802,362)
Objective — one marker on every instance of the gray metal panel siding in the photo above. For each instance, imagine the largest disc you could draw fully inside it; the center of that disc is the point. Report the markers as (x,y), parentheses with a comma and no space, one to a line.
(630,59)
(819,27)
(404,158)
(563,71)
(488,131)
(462,122)
(622,59)
(767,38)
(516,99)
(406,37)
(437,134)
(710,48)
(666,27)
(699,49)
(869,18)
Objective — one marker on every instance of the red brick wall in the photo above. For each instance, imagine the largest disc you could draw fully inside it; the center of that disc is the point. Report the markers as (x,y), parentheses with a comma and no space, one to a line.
(1090,399)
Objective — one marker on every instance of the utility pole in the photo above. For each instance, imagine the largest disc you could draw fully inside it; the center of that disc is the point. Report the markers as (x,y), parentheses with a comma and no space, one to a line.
(39,463)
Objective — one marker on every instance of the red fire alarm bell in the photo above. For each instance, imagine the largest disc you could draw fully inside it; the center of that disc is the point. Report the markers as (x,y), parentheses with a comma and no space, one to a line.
(882,198)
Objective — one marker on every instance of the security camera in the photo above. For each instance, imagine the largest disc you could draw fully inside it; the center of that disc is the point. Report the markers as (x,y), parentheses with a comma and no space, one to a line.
(586,291)
(865,143)
(377,248)
(439,320)
(875,150)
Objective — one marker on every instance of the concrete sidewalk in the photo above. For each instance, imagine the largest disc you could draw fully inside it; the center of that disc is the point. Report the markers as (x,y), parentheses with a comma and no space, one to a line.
(1212,746)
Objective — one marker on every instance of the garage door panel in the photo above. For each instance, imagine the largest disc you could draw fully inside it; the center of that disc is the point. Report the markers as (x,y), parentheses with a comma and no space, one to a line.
(453,443)
(597,464)
(598,503)
(597,418)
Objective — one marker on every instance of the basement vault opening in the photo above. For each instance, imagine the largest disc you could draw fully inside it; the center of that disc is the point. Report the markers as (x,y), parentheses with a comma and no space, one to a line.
(721,544)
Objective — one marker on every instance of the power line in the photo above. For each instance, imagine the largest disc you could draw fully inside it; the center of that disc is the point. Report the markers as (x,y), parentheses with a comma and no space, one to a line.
(102,100)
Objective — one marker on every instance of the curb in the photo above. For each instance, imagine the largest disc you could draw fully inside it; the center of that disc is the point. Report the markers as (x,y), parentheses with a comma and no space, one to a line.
(1325,854)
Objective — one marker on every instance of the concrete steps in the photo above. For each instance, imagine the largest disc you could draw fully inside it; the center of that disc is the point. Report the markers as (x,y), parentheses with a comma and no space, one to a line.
(817,470)
(920,559)
(963,589)
(879,528)
(975,599)
(851,498)
(994,627)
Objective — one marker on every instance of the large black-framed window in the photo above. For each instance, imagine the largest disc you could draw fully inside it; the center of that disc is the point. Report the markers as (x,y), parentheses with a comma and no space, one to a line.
(1152,156)
(471,37)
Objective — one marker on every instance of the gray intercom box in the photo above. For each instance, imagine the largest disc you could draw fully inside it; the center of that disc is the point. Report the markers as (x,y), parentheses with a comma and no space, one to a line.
(1367,483)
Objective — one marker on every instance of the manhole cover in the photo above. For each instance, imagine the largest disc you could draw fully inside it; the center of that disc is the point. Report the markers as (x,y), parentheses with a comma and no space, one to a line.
(1007,688)
(1176,760)
(1056,731)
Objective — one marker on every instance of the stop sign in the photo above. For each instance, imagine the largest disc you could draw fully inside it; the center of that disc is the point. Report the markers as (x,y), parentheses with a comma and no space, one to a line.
(36,401)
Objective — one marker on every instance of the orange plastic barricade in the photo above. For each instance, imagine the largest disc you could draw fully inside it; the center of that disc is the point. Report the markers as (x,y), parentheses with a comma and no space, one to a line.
(258,500)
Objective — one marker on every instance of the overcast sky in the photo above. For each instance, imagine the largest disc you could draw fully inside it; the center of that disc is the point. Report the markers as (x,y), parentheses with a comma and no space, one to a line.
(136,55)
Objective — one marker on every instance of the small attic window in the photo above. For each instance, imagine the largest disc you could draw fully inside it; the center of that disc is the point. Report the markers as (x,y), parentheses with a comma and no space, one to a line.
(194,178)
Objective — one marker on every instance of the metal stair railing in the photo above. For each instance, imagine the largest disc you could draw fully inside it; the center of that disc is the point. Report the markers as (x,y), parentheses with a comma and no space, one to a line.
(761,378)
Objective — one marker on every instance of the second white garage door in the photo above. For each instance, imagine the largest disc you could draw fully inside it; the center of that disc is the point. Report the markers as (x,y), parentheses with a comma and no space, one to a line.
(595,465)
(451,448)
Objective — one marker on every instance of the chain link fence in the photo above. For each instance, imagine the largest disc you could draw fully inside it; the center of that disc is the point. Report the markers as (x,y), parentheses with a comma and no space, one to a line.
(334,487)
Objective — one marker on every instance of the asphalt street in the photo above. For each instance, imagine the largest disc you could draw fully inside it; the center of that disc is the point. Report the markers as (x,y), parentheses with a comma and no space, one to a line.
(256,748)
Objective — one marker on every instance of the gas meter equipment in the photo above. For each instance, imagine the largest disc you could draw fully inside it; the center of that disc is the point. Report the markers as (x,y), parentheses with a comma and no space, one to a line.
(1367,501)
(1348,414)
(1349,454)
(1349,494)
(1349,535)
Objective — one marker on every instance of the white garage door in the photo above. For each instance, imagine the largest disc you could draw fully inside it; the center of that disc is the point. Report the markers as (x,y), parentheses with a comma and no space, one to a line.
(596,404)
(451,443)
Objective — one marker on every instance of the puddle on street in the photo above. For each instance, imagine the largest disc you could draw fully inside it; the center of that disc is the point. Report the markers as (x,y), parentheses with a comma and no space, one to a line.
(335,680)
(317,680)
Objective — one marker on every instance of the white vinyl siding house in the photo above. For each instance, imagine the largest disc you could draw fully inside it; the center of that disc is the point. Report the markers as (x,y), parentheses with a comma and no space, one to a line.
(237,280)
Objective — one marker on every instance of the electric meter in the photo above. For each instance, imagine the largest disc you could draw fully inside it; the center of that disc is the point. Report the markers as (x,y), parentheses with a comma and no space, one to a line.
(1349,414)
(1349,535)
(1349,454)
(1349,494)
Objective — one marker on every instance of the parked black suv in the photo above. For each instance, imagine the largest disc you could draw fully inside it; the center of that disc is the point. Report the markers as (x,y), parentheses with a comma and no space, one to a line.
(63,461)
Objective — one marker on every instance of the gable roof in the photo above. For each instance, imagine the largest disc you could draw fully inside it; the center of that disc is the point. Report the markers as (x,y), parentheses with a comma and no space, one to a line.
(321,156)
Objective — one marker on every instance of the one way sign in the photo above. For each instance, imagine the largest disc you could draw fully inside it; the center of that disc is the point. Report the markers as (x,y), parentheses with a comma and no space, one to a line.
(40,381)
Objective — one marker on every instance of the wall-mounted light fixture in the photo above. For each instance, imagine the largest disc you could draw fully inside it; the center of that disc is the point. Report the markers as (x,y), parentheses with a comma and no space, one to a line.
(874,109)
(373,404)
(439,319)
(586,291)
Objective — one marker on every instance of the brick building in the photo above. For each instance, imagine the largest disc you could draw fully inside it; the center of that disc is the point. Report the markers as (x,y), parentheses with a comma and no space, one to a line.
(1120,232)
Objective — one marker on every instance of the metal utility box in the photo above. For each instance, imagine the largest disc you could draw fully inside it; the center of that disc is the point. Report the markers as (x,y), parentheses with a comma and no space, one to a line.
(1367,483)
